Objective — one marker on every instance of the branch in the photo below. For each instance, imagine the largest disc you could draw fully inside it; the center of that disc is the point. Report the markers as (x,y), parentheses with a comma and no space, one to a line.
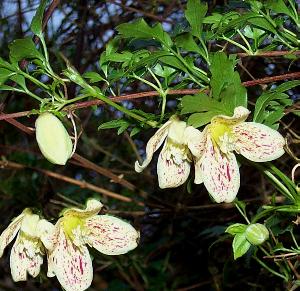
(118,99)
(81,184)
(269,54)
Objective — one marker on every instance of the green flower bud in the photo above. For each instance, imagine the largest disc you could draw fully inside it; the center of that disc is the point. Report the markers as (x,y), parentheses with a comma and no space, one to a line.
(256,233)
(53,139)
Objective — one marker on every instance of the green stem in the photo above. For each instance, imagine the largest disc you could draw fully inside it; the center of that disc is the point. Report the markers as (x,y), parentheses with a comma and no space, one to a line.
(34,80)
(202,76)
(77,98)
(245,41)
(146,82)
(34,96)
(105,99)
(242,212)
(238,45)
(270,269)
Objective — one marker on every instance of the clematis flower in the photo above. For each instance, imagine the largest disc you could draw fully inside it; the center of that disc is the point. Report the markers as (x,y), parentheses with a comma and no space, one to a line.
(173,166)
(69,259)
(27,252)
(214,148)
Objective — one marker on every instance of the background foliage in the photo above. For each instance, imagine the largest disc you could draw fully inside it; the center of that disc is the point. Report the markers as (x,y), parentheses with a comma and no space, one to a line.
(183,245)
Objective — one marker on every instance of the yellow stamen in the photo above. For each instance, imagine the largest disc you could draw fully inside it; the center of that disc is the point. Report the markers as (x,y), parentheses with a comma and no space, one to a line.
(218,130)
(70,223)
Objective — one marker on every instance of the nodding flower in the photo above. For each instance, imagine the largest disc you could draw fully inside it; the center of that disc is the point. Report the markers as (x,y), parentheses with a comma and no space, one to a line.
(173,166)
(29,248)
(215,161)
(69,259)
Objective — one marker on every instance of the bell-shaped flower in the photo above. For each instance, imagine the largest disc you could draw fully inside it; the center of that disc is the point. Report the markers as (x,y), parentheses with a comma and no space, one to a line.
(173,166)
(216,163)
(69,259)
(27,252)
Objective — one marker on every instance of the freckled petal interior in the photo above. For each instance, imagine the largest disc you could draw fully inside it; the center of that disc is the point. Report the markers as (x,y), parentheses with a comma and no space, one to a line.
(24,260)
(198,172)
(258,142)
(172,171)
(111,235)
(71,265)
(220,174)
(10,232)
(195,140)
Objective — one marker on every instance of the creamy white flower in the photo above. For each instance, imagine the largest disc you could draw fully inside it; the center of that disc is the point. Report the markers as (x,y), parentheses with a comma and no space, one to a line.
(173,166)
(69,259)
(27,252)
(216,163)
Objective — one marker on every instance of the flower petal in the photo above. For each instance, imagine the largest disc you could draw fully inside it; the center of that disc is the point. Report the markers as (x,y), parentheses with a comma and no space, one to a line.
(153,144)
(240,114)
(24,260)
(45,230)
(93,207)
(258,142)
(220,173)
(111,235)
(173,168)
(198,172)
(71,265)
(10,232)
(195,140)
(177,131)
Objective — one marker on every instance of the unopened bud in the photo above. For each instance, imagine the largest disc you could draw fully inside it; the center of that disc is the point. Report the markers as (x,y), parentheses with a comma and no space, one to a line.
(53,139)
(256,233)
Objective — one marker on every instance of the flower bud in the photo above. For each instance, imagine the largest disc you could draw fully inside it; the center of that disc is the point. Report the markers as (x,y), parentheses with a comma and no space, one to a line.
(53,139)
(256,233)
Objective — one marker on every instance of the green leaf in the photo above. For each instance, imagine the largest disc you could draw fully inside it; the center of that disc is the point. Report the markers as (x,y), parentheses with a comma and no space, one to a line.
(279,7)
(4,75)
(114,124)
(236,228)
(187,42)
(195,14)
(205,106)
(7,65)
(199,119)
(134,131)
(163,71)
(287,86)
(226,83)
(36,23)
(93,77)
(23,49)
(173,62)
(141,30)
(263,108)
(240,245)
(198,103)
(20,80)
(119,57)
(263,23)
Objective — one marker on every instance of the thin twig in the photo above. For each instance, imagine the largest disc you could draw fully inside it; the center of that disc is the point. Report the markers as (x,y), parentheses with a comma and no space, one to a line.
(131,97)
(81,184)
(270,54)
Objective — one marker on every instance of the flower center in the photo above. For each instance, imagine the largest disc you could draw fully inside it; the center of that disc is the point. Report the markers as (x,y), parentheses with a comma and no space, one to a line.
(177,152)
(222,136)
(73,227)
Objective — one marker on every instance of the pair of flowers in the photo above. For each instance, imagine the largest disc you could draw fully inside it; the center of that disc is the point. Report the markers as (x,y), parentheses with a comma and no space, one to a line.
(65,243)
(211,151)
